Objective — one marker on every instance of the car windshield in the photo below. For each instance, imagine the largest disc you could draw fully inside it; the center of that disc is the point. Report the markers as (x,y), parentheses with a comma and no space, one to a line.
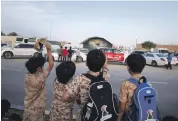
(163,51)
(160,55)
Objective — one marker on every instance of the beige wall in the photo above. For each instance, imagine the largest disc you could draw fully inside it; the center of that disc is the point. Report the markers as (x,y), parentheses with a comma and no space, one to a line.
(8,39)
(171,48)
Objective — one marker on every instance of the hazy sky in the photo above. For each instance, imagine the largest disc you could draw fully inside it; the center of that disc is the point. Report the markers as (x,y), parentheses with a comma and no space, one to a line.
(119,22)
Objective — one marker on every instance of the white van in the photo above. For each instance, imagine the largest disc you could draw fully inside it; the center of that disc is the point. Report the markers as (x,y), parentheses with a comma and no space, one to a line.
(160,50)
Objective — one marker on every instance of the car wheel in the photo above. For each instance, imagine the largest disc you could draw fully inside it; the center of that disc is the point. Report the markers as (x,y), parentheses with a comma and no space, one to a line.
(154,63)
(8,55)
(79,59)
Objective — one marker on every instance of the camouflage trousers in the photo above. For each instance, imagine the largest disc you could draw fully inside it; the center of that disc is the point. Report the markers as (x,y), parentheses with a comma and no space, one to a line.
(34,114)
(59,114)
(79,112)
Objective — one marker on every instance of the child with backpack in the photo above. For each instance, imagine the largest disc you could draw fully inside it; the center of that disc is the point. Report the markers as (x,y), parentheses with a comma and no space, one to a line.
(35,89)
(137,98)
(62,110)
(92,90)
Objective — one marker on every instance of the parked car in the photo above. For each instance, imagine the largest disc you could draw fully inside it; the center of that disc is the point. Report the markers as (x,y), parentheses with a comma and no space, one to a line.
(157,59)
(81,57)
(175,57)
(141,52)
(19,50)
(176,54)
(177,60)
(115,55)
(3,44)
(84,50)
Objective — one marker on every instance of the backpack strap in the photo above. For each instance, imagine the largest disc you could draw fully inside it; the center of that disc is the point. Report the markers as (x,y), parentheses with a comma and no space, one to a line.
(93,78)
(133,81)
(137,82)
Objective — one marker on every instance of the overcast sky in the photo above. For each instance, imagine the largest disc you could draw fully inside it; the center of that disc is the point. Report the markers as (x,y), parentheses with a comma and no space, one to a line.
(118,22)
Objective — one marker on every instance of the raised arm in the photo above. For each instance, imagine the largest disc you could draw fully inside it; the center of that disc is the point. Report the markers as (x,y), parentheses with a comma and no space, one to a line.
(37,46)
(51,63)
(106,74)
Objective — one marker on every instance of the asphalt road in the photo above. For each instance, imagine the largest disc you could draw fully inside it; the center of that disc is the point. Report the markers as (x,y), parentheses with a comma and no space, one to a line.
(165,82)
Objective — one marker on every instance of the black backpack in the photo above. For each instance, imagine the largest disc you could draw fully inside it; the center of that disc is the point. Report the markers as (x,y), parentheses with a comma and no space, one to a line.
(102,104)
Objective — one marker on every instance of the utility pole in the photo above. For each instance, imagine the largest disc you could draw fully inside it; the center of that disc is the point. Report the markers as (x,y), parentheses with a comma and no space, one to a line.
(136,43)
(50,30)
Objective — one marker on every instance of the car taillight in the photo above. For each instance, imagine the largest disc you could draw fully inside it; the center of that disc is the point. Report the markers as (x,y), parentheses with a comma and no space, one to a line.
(162,59)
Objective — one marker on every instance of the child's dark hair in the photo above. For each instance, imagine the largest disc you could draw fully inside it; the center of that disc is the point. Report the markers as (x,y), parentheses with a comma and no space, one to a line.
(95,60)
(5,107)
(65,71)
(170,118)
(136,63)
(34,62)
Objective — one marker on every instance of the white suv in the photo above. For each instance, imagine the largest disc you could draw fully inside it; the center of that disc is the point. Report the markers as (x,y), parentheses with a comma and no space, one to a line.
(19,50)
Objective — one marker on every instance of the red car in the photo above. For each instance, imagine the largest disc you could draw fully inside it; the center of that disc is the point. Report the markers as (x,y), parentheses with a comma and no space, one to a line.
(114,54)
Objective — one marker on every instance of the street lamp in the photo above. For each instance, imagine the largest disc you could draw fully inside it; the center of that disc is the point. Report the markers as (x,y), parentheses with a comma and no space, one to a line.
(136,42)
(50,30)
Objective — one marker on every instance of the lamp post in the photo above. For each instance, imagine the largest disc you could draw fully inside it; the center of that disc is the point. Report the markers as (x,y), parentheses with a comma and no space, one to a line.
(136,42)
(50,30)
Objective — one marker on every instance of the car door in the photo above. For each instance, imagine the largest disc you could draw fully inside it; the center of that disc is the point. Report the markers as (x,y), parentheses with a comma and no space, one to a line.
(149,58)
(20,50)
(30,50)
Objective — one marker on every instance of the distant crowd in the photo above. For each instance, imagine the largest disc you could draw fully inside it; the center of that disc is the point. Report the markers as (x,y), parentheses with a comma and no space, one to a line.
(91,90)
(65,54)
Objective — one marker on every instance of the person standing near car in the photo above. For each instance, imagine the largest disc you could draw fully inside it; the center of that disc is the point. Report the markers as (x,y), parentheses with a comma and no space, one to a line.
(65,54)
(77,54)
(70,53)
(169,58)
(60,54)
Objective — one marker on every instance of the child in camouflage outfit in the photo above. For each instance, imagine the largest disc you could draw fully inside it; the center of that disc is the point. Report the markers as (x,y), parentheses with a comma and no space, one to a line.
(62,110)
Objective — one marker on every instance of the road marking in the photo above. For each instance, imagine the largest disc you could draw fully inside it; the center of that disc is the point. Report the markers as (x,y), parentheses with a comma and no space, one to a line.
(12,69)
(159,82)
